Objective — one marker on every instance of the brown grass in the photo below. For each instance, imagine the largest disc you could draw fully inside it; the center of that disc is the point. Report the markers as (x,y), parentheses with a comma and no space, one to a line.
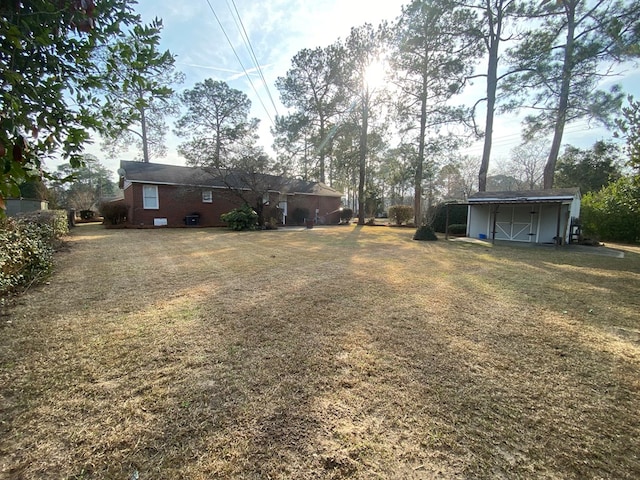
(346,352)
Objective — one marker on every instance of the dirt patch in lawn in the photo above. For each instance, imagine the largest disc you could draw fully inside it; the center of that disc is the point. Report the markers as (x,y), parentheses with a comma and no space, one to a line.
(323,353)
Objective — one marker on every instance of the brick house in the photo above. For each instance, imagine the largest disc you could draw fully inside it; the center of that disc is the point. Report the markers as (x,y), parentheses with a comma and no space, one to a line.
(170,195)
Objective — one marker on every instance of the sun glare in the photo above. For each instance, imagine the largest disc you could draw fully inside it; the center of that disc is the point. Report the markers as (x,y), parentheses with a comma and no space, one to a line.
(375,74)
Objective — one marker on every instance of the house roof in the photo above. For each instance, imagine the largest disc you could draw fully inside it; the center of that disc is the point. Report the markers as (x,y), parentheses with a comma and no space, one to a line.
(156,173)
(553,195)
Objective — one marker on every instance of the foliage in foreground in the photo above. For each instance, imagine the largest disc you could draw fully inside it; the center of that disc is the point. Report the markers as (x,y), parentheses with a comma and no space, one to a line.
(613,213)
(27,246)
(243,218)
(47,52)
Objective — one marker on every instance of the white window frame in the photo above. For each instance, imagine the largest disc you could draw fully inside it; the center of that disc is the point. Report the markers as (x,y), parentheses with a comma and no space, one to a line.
(207,196)
(150,200)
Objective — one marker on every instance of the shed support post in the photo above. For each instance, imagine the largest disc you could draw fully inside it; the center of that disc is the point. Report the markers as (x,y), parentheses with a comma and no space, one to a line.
(446,223)
(493,228)
(558,239)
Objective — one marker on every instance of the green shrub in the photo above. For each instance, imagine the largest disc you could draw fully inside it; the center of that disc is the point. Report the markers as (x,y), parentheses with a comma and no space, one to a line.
(272,224)
(243,218)
(425,232)
(346,214)
(114,213)
(458,229)
(457,215)
(57,220)
(400,214)
(612,213)
(26,252)
(299,215)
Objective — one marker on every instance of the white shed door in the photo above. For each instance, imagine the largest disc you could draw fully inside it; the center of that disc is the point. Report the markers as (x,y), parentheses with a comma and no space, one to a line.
(517,223)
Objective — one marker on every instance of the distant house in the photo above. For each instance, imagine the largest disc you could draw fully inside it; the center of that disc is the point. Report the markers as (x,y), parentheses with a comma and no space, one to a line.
(534,216)
(169,195)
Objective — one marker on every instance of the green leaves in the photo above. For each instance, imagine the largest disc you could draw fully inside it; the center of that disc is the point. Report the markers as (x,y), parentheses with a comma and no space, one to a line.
(216,124)
(137,80)
(45,62)
(629,128)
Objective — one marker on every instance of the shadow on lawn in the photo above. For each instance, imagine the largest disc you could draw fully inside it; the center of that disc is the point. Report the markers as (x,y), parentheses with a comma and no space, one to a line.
(443,387)
(351,364)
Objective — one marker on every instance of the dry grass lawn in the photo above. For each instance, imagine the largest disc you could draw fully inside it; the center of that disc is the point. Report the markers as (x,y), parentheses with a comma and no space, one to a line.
(342,352)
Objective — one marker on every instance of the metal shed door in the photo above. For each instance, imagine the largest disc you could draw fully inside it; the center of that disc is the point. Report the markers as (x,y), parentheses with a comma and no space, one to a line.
(517,223)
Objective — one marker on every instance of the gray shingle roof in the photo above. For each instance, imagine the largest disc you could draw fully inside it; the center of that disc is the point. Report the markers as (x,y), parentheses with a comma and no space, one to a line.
(156,173)
(553,194)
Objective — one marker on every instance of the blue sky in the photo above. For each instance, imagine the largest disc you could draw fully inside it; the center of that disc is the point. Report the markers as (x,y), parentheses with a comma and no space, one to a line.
(278,29)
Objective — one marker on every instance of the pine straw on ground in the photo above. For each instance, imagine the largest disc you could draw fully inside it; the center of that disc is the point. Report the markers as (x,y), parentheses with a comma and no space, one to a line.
(345,352)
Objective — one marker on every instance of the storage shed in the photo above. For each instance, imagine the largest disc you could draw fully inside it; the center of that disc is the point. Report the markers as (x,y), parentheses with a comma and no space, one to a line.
(533,216)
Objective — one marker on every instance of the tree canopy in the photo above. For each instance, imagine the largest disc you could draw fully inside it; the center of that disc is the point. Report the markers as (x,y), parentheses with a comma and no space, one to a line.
(48,84)
(137,85)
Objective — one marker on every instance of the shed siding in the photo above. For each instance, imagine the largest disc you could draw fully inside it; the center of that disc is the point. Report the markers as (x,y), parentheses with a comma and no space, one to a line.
(480,221)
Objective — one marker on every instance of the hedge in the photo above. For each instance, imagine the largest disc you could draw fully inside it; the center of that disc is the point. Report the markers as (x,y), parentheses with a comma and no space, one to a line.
(27,245)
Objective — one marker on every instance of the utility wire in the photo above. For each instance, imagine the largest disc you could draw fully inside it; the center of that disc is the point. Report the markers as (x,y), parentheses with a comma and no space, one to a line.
(240,62)
(247,41)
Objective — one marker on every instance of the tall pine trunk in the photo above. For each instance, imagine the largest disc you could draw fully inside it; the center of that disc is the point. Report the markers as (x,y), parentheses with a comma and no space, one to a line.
(417,200)
(563,103)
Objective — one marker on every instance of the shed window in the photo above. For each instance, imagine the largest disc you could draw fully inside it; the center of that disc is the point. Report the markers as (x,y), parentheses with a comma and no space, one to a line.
(150,197)
(207,196)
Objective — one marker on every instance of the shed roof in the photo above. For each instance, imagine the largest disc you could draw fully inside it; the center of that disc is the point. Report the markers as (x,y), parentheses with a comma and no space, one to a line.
(156,173)
(553,195)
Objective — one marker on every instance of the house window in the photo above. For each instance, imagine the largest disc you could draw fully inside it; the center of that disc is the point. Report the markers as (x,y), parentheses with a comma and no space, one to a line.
(150,197)
(207,196)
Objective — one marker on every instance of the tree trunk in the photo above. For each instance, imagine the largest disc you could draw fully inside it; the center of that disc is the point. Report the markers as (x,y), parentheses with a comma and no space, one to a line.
(417,199)
(143,130)
(363,158)
(321,152)
(492,86)
(561,116)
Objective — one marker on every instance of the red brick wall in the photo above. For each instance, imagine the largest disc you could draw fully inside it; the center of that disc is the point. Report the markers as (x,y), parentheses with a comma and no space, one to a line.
(175,203)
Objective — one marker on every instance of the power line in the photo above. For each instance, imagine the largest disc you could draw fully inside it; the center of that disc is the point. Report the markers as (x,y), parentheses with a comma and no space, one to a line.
(252,53)
(240,62)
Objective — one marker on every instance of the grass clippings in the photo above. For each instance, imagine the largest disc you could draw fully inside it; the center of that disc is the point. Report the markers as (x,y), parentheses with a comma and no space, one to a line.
(325,353)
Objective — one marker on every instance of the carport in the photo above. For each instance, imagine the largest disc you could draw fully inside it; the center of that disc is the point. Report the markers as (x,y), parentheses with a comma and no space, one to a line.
(533,216)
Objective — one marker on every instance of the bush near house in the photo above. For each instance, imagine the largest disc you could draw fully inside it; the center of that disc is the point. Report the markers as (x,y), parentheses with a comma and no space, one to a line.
(26,247)
(243,218)
(400,214)
(346,214)
(114,213)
